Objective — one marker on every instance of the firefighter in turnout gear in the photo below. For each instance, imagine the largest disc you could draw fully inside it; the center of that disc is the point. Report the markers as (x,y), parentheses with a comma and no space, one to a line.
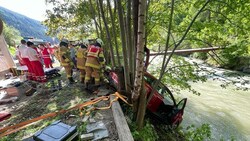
(81,59)
(94,62)
(65,59)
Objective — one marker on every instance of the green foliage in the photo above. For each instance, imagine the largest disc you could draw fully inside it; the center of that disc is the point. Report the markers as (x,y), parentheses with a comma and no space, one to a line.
(202,56)
(12,50)
(198,134)
(148,133)
(69,20)
(234,51)
(179,74)
(11,35)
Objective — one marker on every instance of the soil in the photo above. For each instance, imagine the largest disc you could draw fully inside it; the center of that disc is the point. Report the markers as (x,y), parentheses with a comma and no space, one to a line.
(46,101)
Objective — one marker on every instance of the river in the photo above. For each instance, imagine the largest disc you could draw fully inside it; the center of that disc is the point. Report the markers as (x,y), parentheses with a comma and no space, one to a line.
(226,110)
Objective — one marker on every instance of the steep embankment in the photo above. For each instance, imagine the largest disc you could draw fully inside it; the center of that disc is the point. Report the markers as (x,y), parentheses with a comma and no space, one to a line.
(26,25)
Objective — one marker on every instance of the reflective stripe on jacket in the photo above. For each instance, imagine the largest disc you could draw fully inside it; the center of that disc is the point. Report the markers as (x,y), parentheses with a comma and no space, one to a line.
(64,56)
(81,58)
(93,51)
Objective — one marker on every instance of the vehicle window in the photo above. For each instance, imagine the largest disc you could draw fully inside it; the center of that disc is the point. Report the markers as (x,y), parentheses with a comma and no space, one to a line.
(163,91)
(148,80)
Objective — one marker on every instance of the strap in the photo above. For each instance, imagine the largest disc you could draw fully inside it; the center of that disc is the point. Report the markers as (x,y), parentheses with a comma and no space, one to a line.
(14,128)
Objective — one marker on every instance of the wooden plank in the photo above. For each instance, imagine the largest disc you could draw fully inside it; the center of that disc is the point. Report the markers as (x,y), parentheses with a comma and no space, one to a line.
(188,51)
(120,122)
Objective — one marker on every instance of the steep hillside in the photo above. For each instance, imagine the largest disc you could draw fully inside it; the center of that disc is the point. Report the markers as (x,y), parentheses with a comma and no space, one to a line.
(26,26)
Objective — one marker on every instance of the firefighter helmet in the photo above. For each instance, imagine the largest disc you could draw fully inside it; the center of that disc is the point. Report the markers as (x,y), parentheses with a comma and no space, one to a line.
(64,42)
(85,42)
(99,41)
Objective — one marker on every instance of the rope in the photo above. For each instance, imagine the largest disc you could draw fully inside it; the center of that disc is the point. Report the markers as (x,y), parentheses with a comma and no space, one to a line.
(14,128)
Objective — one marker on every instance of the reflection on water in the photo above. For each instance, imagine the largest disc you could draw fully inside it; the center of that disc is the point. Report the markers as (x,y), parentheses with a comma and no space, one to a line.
(226,110)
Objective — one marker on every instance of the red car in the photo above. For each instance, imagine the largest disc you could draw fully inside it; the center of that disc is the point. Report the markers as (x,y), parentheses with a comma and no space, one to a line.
(162,106)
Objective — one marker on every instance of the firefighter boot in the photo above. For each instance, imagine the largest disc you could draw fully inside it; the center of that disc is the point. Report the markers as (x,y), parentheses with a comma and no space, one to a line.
(71,81)
(53,87)
(88,87)
(59,84)
(82,80)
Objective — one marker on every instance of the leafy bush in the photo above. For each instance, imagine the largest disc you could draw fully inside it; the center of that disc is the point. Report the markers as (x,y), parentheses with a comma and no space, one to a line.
(232,52)
(148,133)
(198,134)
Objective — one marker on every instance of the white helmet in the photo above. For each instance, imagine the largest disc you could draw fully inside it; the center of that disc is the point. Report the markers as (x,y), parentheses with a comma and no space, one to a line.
(65,41)
(85,42)
(99,41)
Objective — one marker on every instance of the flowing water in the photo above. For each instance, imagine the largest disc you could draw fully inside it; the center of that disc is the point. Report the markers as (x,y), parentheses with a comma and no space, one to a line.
(226,110)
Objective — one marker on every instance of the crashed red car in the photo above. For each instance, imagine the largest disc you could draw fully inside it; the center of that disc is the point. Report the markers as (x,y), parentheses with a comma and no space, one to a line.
(162,106)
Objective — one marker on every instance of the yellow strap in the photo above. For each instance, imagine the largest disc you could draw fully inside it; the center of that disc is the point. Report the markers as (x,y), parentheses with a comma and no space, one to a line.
(81,67)
(122,98)
(92,65)
(14,128)
(11,129)
(110,104)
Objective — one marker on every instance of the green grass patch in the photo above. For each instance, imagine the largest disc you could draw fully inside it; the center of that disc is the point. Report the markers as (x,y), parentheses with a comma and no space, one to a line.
(12,50)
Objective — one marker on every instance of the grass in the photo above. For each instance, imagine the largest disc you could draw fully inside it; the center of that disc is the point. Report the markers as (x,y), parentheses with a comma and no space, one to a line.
(45,103)
(12,50)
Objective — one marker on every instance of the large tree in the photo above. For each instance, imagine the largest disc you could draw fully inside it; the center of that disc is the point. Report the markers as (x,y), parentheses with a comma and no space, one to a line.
(170,25)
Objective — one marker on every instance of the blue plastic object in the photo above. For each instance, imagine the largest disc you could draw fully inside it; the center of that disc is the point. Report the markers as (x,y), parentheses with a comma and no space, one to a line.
(57,131)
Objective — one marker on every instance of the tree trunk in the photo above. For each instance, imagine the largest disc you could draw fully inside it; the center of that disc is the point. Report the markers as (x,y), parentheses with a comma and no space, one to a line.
(105,48)
(108,33)
(165,63)
(139,55)
(141,107)
(135,28)
(124,50)
(129,38)
(93,17)
(114,33)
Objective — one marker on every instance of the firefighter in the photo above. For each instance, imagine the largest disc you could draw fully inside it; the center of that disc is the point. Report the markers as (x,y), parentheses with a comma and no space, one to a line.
(65,59)
(81,59)
(56,53)
(94,62)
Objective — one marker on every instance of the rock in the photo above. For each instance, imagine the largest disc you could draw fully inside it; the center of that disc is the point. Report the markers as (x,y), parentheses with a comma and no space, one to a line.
(246,70)
(85,118)
(88,136)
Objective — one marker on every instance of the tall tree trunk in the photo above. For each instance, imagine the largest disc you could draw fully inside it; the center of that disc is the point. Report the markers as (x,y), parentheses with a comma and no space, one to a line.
(146,21)
(114,33)
(135,28)
(139,54)
(124,50)
(141,107)
(105,48)
(129,34)
(93,17)
(108,34)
